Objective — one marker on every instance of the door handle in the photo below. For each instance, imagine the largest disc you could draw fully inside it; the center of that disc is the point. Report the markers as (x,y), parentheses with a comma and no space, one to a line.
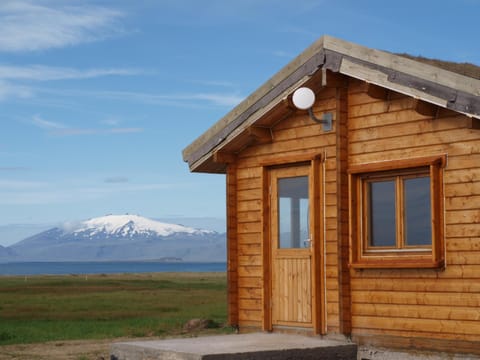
(307,243)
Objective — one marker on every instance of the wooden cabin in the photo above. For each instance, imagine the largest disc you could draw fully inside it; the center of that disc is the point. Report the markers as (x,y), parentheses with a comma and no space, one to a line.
(369,228)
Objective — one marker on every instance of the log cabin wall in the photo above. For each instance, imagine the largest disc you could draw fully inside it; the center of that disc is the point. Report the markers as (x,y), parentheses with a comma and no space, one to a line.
(296,135)
(424,307)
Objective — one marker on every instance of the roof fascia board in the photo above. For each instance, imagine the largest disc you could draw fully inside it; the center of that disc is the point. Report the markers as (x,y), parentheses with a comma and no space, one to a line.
(404,65)
(407,84)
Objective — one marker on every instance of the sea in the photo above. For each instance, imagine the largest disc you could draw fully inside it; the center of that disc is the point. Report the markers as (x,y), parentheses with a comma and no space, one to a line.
(108,267)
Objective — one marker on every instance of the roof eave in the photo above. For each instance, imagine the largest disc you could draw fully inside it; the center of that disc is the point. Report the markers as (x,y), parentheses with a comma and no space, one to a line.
(422,81)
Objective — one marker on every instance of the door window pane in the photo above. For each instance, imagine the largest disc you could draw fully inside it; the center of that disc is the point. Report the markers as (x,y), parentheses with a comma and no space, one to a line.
(418,226)
(293,212)
(382,230)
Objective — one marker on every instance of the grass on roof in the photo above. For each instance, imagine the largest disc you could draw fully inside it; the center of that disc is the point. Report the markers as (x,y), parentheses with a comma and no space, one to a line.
(466,69)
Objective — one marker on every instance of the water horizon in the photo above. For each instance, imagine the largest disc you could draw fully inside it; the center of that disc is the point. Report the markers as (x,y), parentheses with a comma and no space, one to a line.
(106,267)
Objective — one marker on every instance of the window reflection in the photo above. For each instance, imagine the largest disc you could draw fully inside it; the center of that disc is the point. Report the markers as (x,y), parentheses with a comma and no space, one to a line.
(418,227)
(293,206)
(382,213)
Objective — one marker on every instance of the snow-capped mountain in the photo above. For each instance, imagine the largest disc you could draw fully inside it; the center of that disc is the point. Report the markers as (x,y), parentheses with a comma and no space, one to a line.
(121,237)
(129,226)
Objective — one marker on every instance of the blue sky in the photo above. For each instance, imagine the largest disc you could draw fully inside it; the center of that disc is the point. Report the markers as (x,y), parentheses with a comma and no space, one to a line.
(98,98)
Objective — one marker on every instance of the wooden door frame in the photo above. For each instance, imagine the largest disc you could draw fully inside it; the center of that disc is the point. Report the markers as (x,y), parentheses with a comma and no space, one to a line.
(316,189)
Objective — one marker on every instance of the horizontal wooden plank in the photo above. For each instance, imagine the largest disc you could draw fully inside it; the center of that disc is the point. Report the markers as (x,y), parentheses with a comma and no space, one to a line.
(466,161)
(248,173)
(255,159)
(416,128)
(423,285)
(380,107)
(246,315)
(379,154)
(249,205)
(331,271)
(461,189)
(249,194)
(249,216)
(250,293)
(250,260)
(249,183)
(249,271)
(250,304)
(461,176)
(462,202)
(416,298)
(331,248)
(332,309)
(361,98)
(247,283)
(452,272)
(283,148)
(252,238)
(332,297)
(463,244)
(404,117)
(331,284)
(331,259)
(463,258)
(249,249)
(424,325)
(408,141)
(249,228)
(417,312)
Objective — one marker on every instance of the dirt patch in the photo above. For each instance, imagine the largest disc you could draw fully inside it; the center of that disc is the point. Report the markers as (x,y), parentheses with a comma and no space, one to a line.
(60,350)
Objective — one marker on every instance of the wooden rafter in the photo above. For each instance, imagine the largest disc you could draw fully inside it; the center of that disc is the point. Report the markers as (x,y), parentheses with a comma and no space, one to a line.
(377,92)
(425,108)
(261,135)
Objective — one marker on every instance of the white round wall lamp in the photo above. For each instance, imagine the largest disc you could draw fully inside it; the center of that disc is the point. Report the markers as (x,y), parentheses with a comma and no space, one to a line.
(303,98)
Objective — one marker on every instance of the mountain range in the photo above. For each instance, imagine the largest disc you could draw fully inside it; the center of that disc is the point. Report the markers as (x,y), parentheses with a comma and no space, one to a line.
(119,238)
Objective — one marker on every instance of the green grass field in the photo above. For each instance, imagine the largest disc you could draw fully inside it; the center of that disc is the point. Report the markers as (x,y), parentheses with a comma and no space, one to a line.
(47,308)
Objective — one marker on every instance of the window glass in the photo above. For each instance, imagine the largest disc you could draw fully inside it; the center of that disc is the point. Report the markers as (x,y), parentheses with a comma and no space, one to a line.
(382,229)
(293,212)
(418,227)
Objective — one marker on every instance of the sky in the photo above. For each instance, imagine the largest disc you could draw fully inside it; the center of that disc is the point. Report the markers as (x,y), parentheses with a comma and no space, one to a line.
(99,97)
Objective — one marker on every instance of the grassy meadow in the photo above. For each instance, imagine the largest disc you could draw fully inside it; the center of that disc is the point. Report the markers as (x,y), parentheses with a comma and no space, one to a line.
(68,307)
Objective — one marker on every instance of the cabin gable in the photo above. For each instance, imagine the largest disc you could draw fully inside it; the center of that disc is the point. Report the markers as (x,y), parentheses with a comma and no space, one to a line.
(395,121)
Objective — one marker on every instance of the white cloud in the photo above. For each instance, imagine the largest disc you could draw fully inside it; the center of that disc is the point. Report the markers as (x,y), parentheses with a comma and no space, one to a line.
(110,122)
(46,73)
(45,124)
(91,131)
(32,193)
(15,81)
(218,99)
(9,90)
(9,185)
(30,26)
(60,129)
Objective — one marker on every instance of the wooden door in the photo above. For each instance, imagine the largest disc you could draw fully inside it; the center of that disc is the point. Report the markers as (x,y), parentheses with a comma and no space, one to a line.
(292,256)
